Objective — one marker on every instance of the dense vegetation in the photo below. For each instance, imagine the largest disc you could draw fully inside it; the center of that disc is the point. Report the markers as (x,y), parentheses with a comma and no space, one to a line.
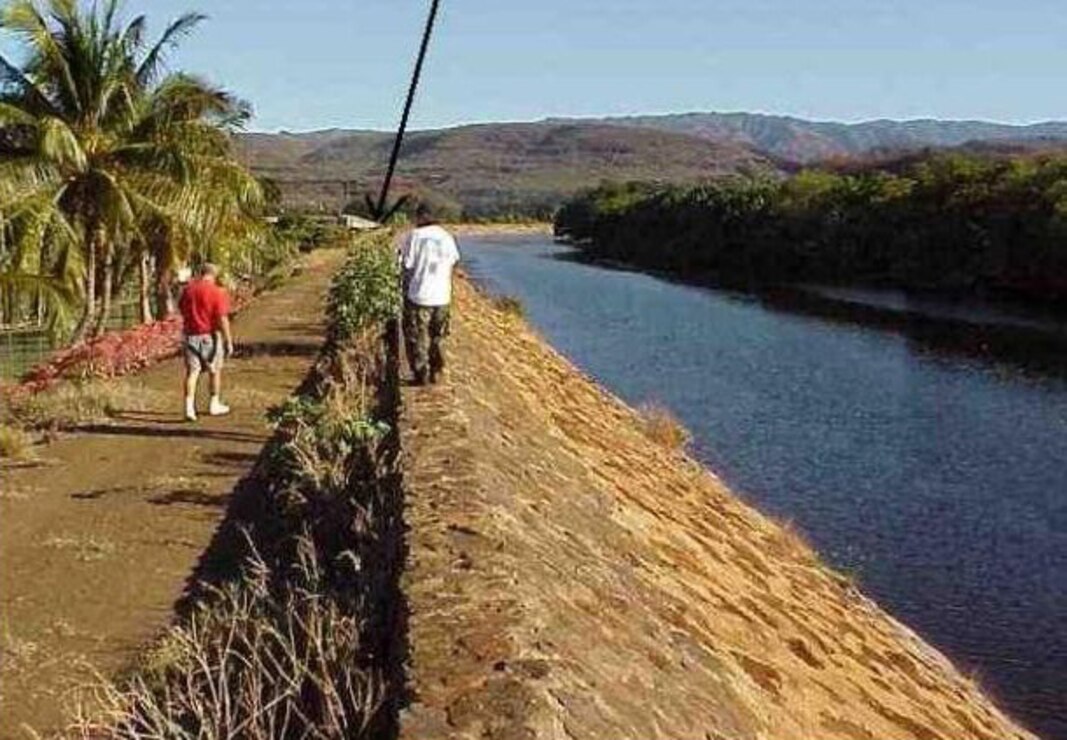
(114,172)
(296,634)
(947,222)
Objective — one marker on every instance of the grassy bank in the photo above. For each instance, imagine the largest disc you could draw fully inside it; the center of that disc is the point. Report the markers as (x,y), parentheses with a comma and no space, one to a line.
(292,630)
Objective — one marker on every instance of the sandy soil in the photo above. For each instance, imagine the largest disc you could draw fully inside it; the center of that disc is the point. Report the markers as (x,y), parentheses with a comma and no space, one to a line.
(97,542)
(569,577)
(503,228)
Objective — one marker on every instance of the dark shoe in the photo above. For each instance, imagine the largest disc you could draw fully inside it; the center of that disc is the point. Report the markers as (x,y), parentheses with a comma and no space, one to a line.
(419,379)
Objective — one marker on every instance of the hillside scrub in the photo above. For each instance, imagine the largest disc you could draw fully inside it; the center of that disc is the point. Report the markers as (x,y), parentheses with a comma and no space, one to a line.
(299,640)
(952,223)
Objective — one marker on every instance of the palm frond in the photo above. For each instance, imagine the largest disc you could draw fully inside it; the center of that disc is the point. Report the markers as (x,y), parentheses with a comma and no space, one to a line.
(149,69)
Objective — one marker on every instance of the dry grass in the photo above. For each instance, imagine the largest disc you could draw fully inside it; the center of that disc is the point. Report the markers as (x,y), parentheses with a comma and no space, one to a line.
(262,658)
(510,305)
(182,483)
(9,493)
(790,541)
(16,650)
(662,427)
(238,396)
(71,404)
(15,444)
(85,549)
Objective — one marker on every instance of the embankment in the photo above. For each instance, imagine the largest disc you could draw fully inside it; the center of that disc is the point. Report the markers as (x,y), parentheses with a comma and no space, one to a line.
(570,577)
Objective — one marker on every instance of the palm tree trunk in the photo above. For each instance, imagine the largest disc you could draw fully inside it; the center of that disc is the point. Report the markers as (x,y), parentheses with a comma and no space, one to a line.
(106,291)
(165,302)
(89,308)
(144,289)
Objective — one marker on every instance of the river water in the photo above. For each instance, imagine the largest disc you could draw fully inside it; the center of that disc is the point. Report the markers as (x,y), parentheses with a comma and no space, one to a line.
(937,478)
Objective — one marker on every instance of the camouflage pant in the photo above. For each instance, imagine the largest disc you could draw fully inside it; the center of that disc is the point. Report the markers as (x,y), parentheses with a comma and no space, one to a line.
(425,330)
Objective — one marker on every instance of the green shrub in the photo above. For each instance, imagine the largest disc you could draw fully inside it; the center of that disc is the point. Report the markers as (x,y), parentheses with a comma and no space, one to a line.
(951,222)
(321,439)
(365,291)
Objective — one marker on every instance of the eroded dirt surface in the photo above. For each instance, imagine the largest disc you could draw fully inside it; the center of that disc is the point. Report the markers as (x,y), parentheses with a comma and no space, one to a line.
(571,578)
(98,541)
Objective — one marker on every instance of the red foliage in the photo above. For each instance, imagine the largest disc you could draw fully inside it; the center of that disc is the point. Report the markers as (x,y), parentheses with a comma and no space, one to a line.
(113,354)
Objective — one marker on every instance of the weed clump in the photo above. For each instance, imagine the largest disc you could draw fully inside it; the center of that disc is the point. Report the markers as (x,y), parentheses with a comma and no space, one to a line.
(15,444)
(662,427)
(509,305)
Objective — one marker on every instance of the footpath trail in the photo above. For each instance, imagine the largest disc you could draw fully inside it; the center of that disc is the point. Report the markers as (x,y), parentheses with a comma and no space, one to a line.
(98,541)
(569,577)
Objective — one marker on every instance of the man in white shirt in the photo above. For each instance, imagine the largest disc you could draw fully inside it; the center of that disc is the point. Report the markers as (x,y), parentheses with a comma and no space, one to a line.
(428,255)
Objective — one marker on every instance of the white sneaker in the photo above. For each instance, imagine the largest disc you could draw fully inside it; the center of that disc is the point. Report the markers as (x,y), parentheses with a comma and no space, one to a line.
(218,408)
(190,411)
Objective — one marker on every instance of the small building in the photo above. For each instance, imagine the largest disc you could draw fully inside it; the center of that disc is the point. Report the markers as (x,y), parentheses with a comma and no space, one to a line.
(357,223)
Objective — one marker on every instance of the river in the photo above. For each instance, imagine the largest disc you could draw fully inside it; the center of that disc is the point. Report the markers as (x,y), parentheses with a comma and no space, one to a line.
(938,479)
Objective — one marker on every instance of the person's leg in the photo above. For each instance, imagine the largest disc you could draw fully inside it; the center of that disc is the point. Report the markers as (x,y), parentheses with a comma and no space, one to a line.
(192,375)
(217,407)
(411,333)
(440,326)
(422,344)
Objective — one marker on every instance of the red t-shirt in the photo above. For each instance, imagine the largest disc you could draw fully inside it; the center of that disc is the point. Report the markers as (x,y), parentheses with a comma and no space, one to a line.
(203,305)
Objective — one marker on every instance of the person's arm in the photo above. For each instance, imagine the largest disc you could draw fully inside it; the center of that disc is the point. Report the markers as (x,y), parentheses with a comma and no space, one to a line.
(224,320)
(227,334)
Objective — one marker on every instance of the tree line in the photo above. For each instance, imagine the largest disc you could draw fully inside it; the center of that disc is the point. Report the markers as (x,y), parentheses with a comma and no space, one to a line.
(959,223)
(114,171)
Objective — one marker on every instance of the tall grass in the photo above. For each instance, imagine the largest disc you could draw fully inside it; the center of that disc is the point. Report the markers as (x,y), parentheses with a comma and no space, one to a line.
(269,656)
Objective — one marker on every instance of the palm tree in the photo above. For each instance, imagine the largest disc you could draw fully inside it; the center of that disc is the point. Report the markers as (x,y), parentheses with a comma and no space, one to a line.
(106,158)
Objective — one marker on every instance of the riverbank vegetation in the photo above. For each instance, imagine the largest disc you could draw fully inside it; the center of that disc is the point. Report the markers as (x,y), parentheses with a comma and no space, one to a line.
(946,222)
(115,172)
(295,636)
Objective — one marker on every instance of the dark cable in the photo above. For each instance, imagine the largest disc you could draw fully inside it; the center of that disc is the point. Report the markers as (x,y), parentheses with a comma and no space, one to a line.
(379,211)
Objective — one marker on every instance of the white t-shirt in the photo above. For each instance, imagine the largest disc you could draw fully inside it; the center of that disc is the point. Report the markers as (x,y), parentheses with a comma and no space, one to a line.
(428,255)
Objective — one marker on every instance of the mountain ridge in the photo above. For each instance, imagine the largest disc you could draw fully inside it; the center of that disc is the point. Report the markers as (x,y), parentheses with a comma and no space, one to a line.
(486,169)
(806,141)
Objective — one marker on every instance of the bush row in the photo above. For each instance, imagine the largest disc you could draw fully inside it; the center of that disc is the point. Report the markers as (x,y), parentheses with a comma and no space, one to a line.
(960,223)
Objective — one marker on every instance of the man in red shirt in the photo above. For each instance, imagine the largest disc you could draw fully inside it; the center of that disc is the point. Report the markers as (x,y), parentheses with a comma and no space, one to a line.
(205,308)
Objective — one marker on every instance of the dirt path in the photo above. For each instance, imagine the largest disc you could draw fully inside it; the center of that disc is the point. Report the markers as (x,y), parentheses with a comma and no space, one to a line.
(96,543)
(569,577)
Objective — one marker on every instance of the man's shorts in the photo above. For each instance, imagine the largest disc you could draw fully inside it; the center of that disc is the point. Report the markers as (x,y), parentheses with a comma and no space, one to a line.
(203,352)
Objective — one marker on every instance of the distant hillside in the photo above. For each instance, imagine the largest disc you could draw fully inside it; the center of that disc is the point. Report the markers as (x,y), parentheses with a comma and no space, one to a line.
(532,167)
(803,141)
(490,168)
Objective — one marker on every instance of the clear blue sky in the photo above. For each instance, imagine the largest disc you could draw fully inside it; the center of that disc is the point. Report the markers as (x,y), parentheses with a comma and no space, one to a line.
(318,63)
